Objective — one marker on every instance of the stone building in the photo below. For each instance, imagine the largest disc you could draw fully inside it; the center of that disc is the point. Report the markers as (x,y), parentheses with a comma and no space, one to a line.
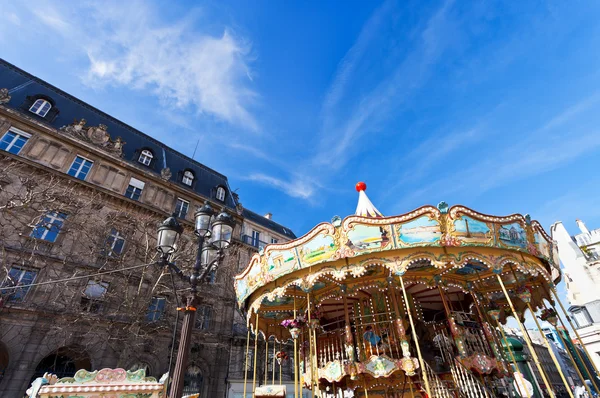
(580,256)
(81,195)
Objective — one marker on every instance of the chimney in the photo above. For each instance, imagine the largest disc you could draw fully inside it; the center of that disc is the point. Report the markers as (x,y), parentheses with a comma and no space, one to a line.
(582,226)
(269,216)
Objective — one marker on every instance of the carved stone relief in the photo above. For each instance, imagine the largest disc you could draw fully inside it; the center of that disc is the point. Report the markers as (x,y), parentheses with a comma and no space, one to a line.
(96,135)
(4,96)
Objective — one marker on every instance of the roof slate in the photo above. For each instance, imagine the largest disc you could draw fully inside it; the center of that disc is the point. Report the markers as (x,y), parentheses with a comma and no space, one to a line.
(270,224)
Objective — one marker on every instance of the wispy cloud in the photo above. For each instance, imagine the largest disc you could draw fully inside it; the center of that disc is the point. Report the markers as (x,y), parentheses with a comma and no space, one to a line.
(297,189)
(346,118)
(129,45)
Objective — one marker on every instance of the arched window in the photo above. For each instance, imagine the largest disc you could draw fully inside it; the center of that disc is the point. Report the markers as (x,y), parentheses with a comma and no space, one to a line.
(192,380)
(146,157)
(221,194)
(188,178)
(40,107)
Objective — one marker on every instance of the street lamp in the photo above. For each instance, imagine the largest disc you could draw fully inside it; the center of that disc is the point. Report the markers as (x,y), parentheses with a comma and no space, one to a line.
(214,236)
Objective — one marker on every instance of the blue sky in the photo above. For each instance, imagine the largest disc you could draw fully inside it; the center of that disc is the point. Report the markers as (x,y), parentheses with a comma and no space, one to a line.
(493,105)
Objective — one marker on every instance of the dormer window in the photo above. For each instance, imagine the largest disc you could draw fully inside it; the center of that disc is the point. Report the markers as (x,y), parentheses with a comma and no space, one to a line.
(40,107)
(146,157)
(188,178)
(221,194)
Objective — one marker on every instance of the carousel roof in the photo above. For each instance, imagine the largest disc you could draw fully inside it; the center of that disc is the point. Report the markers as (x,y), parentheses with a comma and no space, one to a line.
(452,247)
(365,207)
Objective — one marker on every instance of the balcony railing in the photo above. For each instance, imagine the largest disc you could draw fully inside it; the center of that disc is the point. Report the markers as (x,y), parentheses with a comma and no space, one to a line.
(249,240)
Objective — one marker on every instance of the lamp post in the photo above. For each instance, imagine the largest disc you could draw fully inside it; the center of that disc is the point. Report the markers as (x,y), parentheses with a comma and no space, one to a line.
(214,236)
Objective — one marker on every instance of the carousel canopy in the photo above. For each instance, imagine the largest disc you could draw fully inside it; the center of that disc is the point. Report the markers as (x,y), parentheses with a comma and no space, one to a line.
(455,248)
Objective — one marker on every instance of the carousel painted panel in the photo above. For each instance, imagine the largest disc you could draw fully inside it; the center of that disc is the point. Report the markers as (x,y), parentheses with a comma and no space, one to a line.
(365,238)
(318,249)
(248,282)
(512,236)
(422,231)
(542,245)
(281,262)
(472,232)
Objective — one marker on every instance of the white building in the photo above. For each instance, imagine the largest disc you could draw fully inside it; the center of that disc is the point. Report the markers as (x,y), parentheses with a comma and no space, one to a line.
(580,256)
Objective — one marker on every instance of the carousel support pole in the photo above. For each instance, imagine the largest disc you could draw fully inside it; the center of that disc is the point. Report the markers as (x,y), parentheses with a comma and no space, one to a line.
(526,337)
(399,326)
(415,338)
(274,354)
(296,359)
(410,385)
(511,355)
(458,339)
(595,381)
(512,358)
(266,357)
(564,343)
(246,363)
(255,356)
(349,348)
(366,389)
(312,348)
(551,352)
(280,350)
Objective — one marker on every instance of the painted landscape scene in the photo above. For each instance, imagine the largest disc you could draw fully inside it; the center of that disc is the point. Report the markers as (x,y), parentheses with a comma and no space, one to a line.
(421,230)
(368,237)
(281,262)
(472,231)
(320,248)
(513,235)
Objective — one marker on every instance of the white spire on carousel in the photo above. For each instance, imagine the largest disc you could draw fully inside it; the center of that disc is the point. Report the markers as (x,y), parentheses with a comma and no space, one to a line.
(365,208)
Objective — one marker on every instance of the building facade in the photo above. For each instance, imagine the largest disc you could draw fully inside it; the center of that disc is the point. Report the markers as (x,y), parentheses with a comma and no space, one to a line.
(580,256)
(81,196)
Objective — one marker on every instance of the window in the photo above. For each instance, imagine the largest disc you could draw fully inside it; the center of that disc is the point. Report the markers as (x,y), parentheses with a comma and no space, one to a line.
(114,243)
(255,238)
(188,178)
(80,167)
(40,107)
(273,240)
(18,277)
(13,141)
(146,157)
(135,188)
(156,309)
(92,296)
(181,208)
(221,194)
(49,227)
(203,315)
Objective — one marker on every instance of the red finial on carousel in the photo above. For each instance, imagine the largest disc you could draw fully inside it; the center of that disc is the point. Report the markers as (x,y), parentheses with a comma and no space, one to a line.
(361,186)
(365,208)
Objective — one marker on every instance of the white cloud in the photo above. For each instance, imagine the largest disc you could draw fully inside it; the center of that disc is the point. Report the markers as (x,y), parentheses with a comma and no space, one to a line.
(14,18)
(296,189)
(128,44)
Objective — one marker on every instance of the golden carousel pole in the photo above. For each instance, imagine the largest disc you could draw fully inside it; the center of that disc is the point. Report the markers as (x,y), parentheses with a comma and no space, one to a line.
(526,298)
(564,343)
(562,376)
(576,333)
(274,354)
(246,363)
(415,338)
(508,346)
(312,348)
(255,356)
(526,338)
(296,359)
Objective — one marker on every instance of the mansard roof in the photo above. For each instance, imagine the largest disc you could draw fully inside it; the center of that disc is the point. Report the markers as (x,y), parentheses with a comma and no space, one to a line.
(269,224)
(22,85)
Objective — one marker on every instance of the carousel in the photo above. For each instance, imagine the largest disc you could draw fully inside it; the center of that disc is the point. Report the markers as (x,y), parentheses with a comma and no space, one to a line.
(403,306)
